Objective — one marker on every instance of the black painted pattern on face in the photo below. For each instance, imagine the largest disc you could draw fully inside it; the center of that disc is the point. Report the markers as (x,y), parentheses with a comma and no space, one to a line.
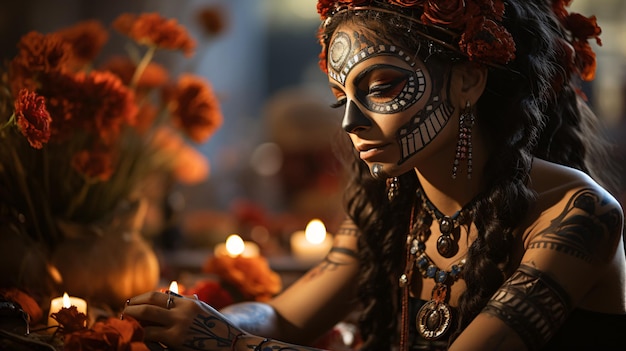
(583,229)
(532,304)
(347,51)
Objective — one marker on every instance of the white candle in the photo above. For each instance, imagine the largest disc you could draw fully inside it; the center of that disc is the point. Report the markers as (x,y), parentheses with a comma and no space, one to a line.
(174,287)
(235,246)
(312,244)
(65,301)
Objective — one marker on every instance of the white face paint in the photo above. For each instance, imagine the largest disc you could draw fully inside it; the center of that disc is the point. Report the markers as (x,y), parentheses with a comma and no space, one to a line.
(394,107)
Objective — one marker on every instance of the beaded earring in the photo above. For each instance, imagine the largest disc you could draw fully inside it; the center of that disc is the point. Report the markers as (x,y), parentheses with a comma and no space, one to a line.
(464,142)
(393,188)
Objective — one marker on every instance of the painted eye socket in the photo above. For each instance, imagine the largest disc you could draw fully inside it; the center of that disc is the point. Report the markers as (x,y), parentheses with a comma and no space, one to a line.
(339,103)
(386,91)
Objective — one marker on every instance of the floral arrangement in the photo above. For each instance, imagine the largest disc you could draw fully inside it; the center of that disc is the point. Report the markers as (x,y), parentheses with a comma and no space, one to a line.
(78,139)
(236,279)
(479,33)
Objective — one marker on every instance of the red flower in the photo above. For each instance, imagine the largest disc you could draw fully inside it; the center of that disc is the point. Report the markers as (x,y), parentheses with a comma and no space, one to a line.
(153,30)
(112,334)
(70,319)
(559,8)
(408,3)
(487,41)
(212,293)
(195,107)
(33,119)
(212,20)
(449,13)
(94,164)
(585,60)
(86,39)
(582,27)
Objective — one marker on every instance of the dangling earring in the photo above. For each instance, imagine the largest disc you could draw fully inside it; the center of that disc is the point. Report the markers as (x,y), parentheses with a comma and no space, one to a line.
(464,142)
(393,188)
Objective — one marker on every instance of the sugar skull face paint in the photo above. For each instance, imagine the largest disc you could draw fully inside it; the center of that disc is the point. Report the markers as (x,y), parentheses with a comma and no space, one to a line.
(388,90)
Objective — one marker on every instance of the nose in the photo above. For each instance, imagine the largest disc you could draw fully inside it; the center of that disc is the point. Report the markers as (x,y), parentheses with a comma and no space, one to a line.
(354,119)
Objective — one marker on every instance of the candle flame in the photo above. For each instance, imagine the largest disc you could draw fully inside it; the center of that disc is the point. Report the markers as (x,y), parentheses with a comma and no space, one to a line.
(174,287)
(315,232)
(234,245)
(67,303)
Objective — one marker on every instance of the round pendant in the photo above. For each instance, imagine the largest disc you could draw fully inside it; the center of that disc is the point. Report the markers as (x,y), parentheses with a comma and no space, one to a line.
(433,320)
(446,246)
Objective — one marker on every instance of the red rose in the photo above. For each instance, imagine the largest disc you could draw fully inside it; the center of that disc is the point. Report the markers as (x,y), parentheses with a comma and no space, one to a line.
(213,293)
(111,334)
(446,13)
(487,41)
(32,117)
(70,319)
(408,3)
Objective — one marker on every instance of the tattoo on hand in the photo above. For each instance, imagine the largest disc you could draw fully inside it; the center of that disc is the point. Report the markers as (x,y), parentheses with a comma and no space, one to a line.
(205,333)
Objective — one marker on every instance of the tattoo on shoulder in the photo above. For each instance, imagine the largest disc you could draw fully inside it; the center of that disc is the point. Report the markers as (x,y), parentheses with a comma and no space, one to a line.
(532,304)
(585,229)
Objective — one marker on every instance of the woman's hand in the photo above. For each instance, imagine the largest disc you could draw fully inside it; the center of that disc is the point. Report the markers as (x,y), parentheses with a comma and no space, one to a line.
(182,323)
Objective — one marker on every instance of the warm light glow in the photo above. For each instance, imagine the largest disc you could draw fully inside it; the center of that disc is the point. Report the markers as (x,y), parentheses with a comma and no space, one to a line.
(315,232)
(67,303)
(234,245)
(174,287)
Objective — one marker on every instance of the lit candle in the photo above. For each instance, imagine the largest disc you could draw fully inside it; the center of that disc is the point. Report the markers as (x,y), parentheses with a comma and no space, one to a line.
(312,244)
(174,287)
(65,301)
(235,246)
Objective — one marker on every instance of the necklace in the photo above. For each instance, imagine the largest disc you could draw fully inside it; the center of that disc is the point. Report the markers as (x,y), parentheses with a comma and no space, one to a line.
(434,318)
(447,243)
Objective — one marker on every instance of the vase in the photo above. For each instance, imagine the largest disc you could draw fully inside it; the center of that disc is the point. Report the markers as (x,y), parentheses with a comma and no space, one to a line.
(107,262)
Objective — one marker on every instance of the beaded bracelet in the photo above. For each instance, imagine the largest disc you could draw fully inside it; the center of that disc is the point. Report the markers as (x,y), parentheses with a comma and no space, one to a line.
(258,347)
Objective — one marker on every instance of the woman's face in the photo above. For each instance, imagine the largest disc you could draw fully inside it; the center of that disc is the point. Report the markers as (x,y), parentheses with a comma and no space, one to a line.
(395,104)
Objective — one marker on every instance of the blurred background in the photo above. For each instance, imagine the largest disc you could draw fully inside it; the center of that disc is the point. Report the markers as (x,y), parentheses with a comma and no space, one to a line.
(271,162)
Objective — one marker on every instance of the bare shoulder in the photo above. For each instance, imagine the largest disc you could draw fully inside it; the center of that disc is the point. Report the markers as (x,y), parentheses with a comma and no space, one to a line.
(573,213)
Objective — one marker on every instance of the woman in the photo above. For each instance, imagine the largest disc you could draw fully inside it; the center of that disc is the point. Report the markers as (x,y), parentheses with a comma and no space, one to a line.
(476,219)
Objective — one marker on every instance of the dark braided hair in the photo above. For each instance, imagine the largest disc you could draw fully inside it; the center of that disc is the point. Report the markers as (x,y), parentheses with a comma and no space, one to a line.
(526,114)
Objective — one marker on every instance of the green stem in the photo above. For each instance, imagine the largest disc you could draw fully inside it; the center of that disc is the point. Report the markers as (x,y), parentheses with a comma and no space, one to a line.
(141,67)
(9,122)
(77,200)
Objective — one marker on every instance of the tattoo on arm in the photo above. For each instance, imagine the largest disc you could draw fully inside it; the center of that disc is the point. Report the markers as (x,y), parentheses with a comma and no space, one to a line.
(532,304)
(205,333)
(584,229)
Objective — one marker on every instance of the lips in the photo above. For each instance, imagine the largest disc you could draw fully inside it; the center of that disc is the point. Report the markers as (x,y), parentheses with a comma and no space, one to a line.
(368,151)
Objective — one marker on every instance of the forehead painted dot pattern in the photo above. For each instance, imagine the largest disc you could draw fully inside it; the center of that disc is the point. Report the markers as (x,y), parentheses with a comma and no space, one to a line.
(345,53)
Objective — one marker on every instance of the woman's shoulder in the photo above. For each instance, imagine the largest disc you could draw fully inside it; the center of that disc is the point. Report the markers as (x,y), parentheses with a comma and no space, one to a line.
(570,201)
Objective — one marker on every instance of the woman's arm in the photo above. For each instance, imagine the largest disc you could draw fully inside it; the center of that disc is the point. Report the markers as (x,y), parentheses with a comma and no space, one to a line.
(573,246)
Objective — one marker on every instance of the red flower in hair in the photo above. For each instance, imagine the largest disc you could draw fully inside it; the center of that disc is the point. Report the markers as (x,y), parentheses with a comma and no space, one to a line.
(559,8)
(583,27)
(585,60)
(487,41)
(33,118)
(449,13)
(408,3)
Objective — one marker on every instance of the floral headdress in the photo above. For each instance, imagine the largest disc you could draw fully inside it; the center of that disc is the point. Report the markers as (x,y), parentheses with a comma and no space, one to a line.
(472,28)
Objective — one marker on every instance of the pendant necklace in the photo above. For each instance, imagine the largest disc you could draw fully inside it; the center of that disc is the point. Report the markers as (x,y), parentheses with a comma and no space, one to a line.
(435,317)
(449,226)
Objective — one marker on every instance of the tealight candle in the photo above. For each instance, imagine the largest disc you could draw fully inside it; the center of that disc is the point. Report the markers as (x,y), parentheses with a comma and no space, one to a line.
(235,246)
(174,287)
(312,244)
(65,301)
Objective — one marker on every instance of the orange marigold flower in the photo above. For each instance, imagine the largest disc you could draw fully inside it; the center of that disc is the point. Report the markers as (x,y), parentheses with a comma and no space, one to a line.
(154,75)
(94,164)
(195,108)
(86,39)
(154,30)
(26,302)
(109,334)
(33,119)
(104,104)
(38,53)
(212,20)
(251,276)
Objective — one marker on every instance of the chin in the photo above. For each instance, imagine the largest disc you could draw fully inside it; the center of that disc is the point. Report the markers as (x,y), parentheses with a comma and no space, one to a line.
(382,171)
